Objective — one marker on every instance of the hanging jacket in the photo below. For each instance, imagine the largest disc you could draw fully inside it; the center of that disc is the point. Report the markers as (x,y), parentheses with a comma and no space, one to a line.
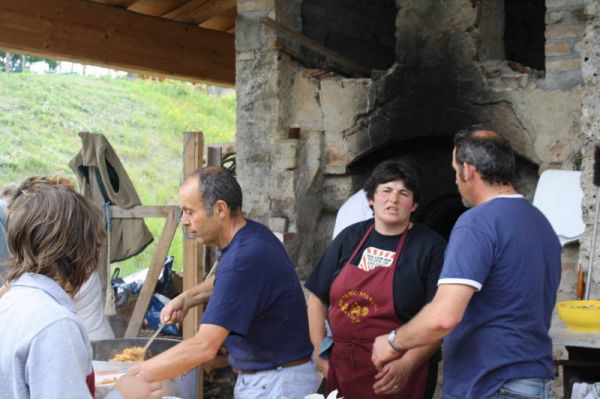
(97,165)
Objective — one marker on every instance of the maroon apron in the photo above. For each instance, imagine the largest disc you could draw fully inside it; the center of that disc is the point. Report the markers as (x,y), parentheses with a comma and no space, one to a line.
(361,309)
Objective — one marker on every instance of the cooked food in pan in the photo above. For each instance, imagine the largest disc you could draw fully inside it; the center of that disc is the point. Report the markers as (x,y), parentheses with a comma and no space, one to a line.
(132,354)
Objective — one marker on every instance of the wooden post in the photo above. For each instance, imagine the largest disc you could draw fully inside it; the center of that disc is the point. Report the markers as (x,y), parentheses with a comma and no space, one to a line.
(158,258)
(193,148)
(193,269)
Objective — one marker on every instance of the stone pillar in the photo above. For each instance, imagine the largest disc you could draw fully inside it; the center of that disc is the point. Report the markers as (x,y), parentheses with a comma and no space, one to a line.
(292,129)
(267,158)
(590,123)
(261,82)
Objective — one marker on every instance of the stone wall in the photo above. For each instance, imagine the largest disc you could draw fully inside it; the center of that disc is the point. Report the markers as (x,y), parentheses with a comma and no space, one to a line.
(448,72)
(565,24)
(590,127)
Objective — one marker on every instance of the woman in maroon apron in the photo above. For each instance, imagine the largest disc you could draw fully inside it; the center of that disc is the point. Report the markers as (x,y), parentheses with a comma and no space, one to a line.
(376,275)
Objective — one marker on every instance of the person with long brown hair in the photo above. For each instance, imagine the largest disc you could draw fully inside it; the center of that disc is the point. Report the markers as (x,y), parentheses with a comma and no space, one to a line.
(54,237)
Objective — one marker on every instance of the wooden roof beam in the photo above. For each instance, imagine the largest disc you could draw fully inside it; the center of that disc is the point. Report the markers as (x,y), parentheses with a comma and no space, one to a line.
(118,3)
(94,33)
(198,11)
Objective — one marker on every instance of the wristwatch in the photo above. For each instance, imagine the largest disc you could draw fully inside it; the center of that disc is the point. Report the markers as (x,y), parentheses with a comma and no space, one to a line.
(392,341)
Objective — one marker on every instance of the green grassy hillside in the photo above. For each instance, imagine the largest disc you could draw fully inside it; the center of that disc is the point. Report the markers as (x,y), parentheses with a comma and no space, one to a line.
(144,120)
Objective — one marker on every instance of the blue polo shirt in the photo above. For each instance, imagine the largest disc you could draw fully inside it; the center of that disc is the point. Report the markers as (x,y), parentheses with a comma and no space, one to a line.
(507,250)
(257,295)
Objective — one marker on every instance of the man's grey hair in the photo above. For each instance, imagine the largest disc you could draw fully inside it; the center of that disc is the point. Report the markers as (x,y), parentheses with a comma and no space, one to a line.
(488,151)
(215,183)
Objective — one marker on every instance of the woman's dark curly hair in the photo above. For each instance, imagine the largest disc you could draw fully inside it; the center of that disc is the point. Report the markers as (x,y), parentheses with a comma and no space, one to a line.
(404,169)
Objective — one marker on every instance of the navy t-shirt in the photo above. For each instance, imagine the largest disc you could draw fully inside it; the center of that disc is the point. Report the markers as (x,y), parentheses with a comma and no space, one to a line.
(257,295)
(508,251)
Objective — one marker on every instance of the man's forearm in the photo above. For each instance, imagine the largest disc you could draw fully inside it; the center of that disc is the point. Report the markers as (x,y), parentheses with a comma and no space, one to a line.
(417,356)
(188,354)
(436,320)
(427,328)
(317,312)
(200,294)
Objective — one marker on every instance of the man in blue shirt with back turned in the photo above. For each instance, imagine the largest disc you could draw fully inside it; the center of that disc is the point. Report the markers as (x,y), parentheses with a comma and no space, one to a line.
(497,288)
(257,307)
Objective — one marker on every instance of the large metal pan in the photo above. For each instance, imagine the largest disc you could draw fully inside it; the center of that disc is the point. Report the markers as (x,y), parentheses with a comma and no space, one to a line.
(183,386)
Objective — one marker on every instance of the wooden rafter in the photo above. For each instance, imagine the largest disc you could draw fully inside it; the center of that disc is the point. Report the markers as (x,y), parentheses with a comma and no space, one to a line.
(118,3)
(224,22)
(89,32)
(155,8)
(198,11)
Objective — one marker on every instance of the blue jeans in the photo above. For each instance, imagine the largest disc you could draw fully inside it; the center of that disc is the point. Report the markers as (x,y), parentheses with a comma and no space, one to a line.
(525,388)
(283,382)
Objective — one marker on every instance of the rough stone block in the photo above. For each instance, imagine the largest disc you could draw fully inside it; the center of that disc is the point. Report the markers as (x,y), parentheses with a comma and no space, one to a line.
(336,190)
(565,16)
(333,170)
(563,3)
(565,31)
(357,140)
(342,100)
(309,161)
(250,34)
(287,206)
(305,108)
(283,185)
(592,7)
(337,155)
(563,64)
(278,225)
(559,49)
(245,6)
(286,157)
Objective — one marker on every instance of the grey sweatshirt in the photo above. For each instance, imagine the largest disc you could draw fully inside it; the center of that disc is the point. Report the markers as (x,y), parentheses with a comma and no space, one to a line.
(44,350)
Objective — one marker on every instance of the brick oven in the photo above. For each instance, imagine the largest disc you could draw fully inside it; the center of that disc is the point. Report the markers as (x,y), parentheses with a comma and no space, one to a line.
(521,66)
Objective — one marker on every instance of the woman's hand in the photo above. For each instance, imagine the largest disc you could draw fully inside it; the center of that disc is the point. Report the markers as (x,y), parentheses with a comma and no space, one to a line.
(392,377)
(137,385)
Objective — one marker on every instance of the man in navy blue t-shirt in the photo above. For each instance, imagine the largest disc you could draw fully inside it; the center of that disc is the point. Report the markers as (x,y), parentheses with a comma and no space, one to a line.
(497,288)
(256,307)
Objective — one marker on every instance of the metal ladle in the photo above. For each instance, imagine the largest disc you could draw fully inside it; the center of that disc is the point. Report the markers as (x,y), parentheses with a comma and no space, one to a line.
(158,330)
